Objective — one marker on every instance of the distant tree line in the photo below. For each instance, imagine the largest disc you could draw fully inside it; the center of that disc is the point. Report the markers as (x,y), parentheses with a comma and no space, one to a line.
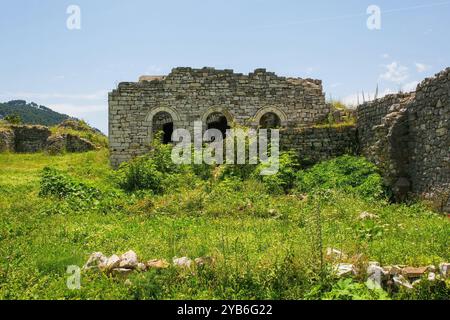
(30,113)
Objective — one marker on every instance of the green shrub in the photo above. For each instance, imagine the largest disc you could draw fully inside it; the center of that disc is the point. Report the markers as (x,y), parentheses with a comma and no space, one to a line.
(13,119)
(140,174)
(284,179)
(148,172)
(426,290)
(56,183)
(348,173)
(347,289)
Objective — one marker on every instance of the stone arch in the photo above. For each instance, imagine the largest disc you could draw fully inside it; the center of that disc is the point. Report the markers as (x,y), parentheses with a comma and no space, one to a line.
(261,112)
(149,119)
(225,112)
(224,122)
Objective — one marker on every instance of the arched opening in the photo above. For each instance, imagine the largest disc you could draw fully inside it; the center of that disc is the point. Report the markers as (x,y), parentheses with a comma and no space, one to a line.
(270,120)
(217,120)
(163,121)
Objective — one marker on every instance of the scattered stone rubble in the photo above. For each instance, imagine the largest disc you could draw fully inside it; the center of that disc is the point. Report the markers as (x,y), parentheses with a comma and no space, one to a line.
(387,276)
(377,276)
(128,262)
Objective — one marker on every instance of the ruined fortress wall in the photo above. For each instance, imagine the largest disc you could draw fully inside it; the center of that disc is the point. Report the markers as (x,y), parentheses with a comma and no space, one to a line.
(429,131)
(370,115)
(408,137)
(315,144)
(190,95)
(29,139)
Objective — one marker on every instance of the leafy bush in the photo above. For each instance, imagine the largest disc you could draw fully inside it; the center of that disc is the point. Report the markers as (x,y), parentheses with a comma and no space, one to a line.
(348,173)
(426,290)
(13,119)
(284,179)
(346,289)
(55,183)
(140,174)
(148,172)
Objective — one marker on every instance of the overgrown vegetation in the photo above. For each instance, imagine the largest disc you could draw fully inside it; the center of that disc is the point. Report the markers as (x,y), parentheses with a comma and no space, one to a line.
(267,234)
(340,116)
(81,129)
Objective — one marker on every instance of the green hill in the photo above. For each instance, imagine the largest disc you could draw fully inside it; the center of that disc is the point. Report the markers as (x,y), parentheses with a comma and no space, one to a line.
(31,113)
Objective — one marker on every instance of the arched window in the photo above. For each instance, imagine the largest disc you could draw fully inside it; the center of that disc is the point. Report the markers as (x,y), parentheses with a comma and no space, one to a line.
(217,120)
(163,121)
(270,120)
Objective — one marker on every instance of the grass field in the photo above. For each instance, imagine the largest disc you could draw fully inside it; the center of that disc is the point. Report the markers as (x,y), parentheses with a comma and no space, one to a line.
(266,245)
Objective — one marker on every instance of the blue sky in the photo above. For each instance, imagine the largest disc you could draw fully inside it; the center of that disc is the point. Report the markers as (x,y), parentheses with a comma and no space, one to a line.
(71,71)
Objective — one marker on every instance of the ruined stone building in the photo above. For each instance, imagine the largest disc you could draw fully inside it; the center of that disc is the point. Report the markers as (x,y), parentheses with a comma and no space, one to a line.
(406,135)
(218,98)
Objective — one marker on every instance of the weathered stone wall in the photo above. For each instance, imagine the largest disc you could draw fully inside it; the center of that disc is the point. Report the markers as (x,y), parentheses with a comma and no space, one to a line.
(315,144)
(429,132)
(383,131)
(370,115)
(29,139)
(189,95)
(6,140)
(407,136)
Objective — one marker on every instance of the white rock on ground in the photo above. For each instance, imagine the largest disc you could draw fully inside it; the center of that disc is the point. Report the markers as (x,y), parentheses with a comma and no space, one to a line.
(113,262)
(431,276)
(375,275)
(95,260)
(444,269)
(129,260)
(183,262)
(402,282)
(345,269)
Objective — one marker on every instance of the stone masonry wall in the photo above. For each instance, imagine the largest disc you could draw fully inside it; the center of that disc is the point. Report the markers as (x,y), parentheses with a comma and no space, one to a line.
(6,140)
(315,144)
(190,95)
(407,136)
(30,139)
(429,119)
(35,138)
(371,114)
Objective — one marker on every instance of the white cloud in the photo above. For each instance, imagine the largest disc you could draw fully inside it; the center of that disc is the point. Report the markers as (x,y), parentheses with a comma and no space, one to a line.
(395,72)
(420,67)
(76,110)
(98,95)
(385,56)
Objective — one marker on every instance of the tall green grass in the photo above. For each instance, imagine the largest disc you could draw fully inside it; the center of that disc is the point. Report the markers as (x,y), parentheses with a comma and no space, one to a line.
(267,245)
